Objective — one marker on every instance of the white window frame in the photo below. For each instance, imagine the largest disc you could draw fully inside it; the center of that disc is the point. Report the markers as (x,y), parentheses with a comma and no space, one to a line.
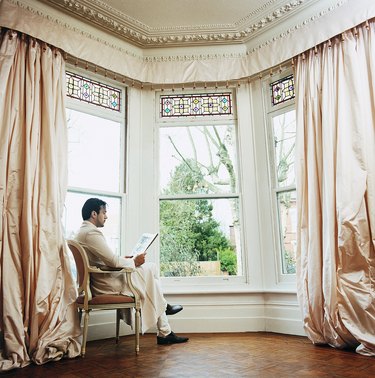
(271,112)
(113,115)
(200,281)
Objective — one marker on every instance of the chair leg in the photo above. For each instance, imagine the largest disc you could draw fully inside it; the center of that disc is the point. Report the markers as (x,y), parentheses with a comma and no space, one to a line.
(85,329)
(137,325)
(117,326)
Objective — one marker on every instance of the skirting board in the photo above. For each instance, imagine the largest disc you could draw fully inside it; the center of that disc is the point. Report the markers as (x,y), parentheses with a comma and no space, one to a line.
(104,329)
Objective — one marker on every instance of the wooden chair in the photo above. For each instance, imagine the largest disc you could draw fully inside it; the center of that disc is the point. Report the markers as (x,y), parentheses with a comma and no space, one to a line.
(86,302)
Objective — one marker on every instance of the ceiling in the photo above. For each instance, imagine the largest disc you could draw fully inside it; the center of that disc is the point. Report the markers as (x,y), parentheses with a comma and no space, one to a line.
(167,23)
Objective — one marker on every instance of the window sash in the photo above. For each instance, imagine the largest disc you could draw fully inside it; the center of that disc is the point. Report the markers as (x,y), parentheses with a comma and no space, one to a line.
(277,189)
(192,121)
(114,116)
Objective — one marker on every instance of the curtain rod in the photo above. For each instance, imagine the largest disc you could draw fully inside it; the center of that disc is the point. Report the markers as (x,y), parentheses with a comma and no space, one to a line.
(341,37)
(26,37)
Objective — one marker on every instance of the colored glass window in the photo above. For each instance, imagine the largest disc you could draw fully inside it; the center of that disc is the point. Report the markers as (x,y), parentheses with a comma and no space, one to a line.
(195,105)
(93,92)
(282,90)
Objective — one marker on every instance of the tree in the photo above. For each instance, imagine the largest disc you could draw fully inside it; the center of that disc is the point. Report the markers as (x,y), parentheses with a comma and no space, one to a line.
(189,232)
(228,260)
(177,239)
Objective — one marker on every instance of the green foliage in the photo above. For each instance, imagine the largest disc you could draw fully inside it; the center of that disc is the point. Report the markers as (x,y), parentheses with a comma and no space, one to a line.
(188,231)
(186,177)
(285,199)
(177,239)
(209,238)
(228,261)
(289,262)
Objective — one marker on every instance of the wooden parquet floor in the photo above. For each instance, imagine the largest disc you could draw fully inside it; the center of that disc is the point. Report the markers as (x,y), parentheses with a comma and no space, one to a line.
(223,355)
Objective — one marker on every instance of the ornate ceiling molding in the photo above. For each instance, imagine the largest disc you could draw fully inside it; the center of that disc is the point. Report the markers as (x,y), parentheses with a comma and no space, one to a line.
(87,46)
(180,57)
(101,14)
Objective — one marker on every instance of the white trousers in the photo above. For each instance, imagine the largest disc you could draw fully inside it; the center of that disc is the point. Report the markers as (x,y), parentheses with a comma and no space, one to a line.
(163,326)
(153,303)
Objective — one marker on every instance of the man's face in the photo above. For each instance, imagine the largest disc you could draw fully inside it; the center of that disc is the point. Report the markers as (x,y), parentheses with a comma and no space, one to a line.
(100,217)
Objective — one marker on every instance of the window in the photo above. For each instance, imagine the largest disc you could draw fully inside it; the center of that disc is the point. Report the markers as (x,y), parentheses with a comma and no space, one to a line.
(96,145)
(199,189)
(282,131)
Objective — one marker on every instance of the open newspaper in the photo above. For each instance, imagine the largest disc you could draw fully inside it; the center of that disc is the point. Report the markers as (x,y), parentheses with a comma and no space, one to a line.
(143,243)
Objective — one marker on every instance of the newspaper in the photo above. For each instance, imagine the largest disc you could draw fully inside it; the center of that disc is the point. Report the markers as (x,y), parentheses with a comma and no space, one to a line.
(143,243)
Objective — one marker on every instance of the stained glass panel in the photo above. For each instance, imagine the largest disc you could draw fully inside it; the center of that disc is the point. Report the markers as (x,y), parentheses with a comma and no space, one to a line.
(195,105)
(282,90)
(92,91)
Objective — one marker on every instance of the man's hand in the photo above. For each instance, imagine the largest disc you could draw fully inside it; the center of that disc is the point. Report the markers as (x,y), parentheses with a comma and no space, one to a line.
(140,259)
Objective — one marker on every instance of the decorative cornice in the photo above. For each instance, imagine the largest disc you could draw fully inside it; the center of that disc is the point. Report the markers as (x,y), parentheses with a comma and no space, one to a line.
(110,19)
(182,57)
(298,26)
(252,14)
(68,26)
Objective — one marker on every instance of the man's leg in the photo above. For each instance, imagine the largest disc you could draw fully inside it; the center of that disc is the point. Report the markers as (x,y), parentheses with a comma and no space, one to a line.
(164,329)
(165,335)
(153,304)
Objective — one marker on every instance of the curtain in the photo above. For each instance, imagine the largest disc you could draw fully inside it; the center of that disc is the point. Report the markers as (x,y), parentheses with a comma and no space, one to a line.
(38,318)
(335,168)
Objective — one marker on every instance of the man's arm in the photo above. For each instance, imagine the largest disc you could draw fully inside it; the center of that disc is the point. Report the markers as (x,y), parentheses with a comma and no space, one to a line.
(98,246)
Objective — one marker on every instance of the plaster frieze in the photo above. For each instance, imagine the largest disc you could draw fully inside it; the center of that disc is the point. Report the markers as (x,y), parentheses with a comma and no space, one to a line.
(30,6)
(112,20)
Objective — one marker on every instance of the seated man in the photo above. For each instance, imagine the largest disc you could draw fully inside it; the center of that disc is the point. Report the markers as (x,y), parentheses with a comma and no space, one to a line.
(154,308)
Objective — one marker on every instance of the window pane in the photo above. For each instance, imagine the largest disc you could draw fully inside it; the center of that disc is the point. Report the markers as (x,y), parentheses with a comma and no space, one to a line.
(198,159)
(287,205)
(200,237)
(93,152)
(72,218)
(284,132)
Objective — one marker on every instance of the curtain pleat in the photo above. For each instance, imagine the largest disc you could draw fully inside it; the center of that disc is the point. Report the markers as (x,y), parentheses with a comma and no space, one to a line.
(336,189)
(38,318)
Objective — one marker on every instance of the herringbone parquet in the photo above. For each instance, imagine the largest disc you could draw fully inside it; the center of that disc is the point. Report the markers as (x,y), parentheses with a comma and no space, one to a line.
(224,355)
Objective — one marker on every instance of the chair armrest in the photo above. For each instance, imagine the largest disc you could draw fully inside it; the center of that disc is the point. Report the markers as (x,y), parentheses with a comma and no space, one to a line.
(106,269)
(127,271)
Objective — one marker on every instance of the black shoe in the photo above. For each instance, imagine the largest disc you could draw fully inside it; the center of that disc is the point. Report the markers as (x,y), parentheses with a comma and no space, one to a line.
(171,310)
(172,338)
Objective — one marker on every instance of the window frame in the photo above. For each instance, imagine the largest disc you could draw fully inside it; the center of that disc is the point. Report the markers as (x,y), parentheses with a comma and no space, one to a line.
(199,120)
(272,111)
(113,115)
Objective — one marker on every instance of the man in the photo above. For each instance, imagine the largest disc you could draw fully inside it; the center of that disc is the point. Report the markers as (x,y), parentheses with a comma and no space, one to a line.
(154,308)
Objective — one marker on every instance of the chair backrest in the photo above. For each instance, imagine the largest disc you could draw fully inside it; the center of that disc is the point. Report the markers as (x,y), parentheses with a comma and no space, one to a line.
(82,264)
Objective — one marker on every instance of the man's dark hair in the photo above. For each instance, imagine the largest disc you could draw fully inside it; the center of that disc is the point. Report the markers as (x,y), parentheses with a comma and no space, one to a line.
(92,204)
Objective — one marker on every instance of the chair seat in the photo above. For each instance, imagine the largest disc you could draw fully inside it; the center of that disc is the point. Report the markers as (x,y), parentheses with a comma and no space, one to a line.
(106,299)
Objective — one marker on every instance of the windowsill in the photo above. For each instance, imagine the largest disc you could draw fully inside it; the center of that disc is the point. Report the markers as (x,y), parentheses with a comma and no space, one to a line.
(184,289)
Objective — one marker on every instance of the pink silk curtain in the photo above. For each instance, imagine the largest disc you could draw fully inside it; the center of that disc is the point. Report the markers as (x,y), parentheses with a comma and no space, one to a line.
(38,319)
(335,93)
